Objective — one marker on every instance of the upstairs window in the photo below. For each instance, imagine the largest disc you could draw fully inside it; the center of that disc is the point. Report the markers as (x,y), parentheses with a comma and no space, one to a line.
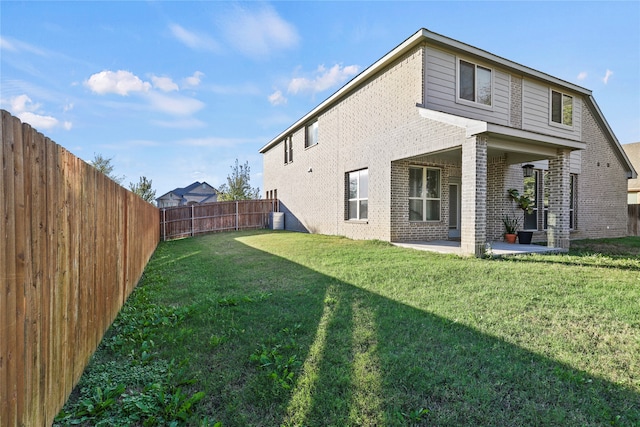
(474,83)
(311,134)
(561,108)
(358,198)
(288,150)
(424,194)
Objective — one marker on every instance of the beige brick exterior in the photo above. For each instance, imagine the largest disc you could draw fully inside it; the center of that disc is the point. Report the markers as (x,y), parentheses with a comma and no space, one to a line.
(378,123)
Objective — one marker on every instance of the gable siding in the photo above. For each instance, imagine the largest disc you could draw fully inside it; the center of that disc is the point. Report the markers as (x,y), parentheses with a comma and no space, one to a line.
(633,153)
(535,112)
(441,89)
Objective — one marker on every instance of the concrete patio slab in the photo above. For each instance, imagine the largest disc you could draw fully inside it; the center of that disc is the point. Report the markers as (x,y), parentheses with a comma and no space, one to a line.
(496,248)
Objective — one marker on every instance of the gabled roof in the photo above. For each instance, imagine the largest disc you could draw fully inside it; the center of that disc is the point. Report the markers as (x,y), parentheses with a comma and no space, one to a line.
(182,191)
(424,36)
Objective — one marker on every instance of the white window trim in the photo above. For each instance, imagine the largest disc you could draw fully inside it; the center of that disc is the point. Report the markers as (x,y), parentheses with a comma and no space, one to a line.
(457,85)
(288,149)
(573,109)
(306,140)
(285,142)
(425,198)
(357,199)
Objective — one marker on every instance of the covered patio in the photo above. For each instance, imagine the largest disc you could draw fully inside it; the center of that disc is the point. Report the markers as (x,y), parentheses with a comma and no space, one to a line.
(492,249)
(477,172)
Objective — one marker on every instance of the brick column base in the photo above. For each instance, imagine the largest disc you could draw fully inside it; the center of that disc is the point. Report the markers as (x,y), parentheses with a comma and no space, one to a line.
(474,196)
(559,192)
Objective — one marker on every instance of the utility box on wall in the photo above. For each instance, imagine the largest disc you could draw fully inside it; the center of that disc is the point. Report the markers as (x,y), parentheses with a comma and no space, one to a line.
(277,220)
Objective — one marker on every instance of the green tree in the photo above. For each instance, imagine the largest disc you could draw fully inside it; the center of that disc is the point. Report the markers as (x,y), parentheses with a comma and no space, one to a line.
(103,164)
(143,189)
(237,186)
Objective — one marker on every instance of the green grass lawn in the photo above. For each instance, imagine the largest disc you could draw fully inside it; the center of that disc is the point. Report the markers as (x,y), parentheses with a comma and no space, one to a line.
(277,328)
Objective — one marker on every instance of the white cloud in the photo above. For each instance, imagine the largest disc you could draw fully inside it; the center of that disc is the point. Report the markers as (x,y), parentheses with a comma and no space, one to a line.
(14,45)
(174,104)
(193,40)
(38,121)
(258,33)
(606,77)
(276,98)
(582,75)
(23,103)
(7,45)
(165,84)
(26,110)
(119,82)
(193,80)
(157,94)
(323,79)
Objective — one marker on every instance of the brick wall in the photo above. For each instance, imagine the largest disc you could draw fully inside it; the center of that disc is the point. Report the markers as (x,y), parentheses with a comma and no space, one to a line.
(401,227)
(602,184)
(515,119)
(360,132)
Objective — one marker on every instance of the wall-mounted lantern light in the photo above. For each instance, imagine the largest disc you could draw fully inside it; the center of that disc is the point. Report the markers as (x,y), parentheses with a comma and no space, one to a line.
(527,170)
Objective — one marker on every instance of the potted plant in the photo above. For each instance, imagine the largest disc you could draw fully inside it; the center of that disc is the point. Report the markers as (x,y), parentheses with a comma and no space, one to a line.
(510,227)
(525,203)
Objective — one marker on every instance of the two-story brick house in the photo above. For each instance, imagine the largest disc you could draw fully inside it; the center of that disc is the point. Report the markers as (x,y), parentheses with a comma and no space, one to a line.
(425,143)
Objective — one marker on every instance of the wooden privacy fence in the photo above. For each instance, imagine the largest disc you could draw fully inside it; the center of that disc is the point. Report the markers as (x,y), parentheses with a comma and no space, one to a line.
(73,246)
(634,220)
(185,221)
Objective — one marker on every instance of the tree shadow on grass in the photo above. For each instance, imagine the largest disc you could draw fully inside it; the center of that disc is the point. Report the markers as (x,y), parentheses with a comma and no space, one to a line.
(369,360)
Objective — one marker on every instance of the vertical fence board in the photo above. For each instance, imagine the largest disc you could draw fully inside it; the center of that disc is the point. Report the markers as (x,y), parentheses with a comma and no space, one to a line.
(9,401)
(39,250)
(28,311)
(52,260)
(62,275)
(4,278)
(74,196)
(21,257)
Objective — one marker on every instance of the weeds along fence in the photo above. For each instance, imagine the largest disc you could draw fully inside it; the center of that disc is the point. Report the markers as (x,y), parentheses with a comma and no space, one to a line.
(74,244)
(185,221)
(634,220)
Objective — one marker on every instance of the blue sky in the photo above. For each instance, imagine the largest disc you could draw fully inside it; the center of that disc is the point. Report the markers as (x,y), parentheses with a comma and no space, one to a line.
(176,91)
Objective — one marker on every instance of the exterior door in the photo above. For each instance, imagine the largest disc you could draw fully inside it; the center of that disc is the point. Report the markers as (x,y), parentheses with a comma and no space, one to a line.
(454,211)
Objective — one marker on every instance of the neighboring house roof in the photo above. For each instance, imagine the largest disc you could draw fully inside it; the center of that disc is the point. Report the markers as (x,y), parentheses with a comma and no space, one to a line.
(423,36)
(633,152)
(201,191)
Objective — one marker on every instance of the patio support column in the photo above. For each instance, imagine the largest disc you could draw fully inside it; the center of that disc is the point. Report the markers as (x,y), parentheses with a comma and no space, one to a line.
(559,192)
(474,196)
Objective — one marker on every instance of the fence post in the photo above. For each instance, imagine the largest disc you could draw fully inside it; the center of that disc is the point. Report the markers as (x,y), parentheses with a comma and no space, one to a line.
(192,224)
(237,216)
(164,225)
